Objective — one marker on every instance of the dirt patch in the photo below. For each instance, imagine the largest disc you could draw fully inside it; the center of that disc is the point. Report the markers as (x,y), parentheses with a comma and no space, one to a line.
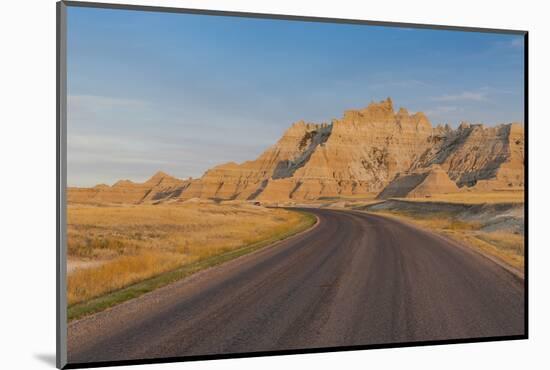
(74,264)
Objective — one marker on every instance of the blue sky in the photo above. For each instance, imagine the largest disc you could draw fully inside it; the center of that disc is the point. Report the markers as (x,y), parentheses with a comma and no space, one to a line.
(181,93)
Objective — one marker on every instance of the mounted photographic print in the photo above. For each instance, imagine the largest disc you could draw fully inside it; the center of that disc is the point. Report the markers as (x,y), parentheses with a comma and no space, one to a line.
(234,184)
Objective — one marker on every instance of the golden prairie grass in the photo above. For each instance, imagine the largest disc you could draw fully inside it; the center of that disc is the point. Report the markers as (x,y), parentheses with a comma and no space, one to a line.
(473,197)
(118,273)
(137,242)
(505,246)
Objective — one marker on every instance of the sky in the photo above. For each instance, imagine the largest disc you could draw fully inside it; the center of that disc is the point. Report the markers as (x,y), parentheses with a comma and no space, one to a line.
(181,93)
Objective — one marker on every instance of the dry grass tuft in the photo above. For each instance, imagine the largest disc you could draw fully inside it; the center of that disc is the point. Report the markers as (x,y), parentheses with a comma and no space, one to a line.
(507,247)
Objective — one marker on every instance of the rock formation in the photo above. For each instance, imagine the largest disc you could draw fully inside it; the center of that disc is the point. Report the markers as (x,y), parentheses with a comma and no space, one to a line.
(420,183)
(472,154)
(157,187)
(371,150)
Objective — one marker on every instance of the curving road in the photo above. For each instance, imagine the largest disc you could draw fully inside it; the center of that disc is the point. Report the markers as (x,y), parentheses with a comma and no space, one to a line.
(354,279)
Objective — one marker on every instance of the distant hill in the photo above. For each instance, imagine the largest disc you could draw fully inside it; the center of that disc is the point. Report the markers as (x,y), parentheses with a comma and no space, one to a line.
(374,149)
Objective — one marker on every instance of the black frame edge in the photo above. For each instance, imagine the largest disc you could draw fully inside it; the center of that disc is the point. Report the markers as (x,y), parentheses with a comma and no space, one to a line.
(290,352)
(526,180)
(61,171)
(61,348)
(163,9)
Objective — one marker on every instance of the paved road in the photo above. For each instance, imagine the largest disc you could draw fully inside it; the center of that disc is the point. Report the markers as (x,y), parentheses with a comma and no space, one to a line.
(353,279)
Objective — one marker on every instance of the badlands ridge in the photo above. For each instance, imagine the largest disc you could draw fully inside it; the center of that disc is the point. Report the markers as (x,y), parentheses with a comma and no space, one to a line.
(374,150)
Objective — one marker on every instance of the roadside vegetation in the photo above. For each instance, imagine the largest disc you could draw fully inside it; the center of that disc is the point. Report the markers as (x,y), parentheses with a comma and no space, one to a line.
(467,197)
(136,249)
(504,245)
(503,242)
(462,197)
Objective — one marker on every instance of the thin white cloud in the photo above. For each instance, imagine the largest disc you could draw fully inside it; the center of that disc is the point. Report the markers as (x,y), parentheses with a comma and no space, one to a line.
(440,110)
(106,158)
(478,96)
(89,107)
(102,101)
(115,148)
(102,143)
(516,43)
(399,84)
(493,90)
(98,158)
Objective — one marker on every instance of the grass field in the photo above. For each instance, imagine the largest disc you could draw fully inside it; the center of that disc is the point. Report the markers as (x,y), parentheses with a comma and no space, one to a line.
(506,246)
(151,244)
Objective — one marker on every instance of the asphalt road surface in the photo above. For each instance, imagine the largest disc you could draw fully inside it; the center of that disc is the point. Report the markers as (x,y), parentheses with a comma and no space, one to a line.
(354,279)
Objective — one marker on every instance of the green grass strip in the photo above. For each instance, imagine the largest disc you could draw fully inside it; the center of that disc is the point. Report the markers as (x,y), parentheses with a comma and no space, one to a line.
(79,310)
